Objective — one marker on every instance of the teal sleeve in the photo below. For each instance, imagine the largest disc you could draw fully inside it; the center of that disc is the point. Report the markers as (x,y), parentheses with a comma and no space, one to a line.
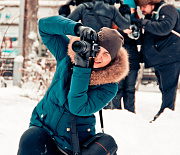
(53,31)
(85,100)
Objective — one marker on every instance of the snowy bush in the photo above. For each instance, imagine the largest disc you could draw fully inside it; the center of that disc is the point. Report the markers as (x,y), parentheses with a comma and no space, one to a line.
(37,72)
(37,76)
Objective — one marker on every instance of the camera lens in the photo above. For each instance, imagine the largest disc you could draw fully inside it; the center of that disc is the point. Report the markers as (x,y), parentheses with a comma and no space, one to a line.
(135,34)
(77,46)
(81,47)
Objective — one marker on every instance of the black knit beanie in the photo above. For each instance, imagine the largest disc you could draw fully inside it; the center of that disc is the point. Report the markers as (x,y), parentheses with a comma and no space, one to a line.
(111,40)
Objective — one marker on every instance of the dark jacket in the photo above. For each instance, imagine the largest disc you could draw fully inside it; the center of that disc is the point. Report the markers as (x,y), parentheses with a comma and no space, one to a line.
(160,45)
(131,46)
(106,13)
(75,90)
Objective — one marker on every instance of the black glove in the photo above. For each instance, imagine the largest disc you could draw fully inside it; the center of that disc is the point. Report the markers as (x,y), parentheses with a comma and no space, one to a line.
(137,21)
(71,2)
(82,60)
(124,9)
(86,33)
(64,10)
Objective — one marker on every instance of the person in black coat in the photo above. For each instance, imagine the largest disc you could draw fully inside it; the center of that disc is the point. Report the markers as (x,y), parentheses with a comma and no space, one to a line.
(126,87)
(161,47)
(98,14)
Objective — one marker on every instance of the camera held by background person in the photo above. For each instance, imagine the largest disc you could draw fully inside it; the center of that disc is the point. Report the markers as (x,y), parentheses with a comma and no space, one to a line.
(135,32)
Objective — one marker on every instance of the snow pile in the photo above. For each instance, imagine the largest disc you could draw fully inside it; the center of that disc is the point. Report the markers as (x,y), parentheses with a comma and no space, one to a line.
(136,136)
(15,112)
(19,58)
(132,132)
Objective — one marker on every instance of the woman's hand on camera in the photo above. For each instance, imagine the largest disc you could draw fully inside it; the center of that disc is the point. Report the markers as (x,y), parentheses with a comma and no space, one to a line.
(82,60)
(86,33)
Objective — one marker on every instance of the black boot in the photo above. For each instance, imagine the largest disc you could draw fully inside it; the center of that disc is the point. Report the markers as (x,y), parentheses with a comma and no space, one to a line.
(155,117)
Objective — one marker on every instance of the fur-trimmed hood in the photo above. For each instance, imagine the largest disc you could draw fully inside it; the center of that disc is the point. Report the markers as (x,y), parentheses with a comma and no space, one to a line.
(113,73)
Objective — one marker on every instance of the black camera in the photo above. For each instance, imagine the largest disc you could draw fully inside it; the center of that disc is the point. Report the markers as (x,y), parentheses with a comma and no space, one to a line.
(135,32)
(83,47)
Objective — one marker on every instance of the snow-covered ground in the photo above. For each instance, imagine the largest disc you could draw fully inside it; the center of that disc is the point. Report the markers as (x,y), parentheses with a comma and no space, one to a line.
(133,132)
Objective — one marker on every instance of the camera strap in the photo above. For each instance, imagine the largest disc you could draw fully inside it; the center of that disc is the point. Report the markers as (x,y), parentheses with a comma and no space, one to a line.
(74,133)
(101,120)
(74,136)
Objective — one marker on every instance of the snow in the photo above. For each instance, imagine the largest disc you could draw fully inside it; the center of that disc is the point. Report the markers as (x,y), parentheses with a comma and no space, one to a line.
(132,132)
(19,58)
(32,35)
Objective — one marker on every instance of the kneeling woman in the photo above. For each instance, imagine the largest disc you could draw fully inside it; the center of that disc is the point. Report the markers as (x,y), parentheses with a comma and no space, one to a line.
(75,88)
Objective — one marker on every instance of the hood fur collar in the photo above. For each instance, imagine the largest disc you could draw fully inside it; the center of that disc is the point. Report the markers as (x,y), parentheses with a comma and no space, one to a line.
(113,73)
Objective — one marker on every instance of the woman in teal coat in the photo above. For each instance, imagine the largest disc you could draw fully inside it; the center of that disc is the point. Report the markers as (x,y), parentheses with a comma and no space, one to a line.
(75,88)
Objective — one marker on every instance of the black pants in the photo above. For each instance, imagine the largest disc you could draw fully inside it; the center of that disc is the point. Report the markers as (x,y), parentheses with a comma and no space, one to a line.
(36,141)
(126,90)
(168,76)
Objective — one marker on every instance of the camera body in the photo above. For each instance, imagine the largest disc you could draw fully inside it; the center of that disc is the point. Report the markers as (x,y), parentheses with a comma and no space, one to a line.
(135,32)
(83,47)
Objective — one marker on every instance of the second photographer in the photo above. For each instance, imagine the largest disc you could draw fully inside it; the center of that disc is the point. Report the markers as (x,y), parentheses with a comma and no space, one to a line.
(126,87)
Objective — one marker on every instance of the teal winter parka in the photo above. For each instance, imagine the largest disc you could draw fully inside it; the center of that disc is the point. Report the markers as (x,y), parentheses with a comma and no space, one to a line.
(75,90)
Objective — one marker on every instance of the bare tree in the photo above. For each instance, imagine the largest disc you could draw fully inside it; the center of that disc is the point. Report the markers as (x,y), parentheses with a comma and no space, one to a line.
(30,24)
